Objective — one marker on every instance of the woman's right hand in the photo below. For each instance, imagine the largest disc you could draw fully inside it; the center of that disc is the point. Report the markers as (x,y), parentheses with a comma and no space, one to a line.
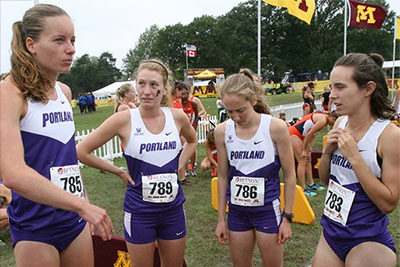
(126,178)
(220,233)
(332,140)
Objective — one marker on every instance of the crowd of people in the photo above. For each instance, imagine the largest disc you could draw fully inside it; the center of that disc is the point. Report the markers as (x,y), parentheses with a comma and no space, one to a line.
(50,214)
(86,103)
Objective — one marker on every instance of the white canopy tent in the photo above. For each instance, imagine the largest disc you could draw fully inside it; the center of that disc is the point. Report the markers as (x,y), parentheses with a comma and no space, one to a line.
(110,89)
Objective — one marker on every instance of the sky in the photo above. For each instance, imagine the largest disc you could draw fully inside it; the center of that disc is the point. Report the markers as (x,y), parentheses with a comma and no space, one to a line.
(116,25)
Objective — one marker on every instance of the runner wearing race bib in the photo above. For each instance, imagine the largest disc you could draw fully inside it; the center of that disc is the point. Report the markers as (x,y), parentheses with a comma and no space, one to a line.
(360,165)
(49,207)
(155,158)
(252,146)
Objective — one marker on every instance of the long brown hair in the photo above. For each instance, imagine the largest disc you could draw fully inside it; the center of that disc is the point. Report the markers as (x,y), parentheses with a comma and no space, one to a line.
(368,68)
(243,83)
(25,73)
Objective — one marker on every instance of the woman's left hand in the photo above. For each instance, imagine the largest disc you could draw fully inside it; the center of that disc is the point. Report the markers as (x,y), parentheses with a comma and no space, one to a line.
(347,145)
(285,231)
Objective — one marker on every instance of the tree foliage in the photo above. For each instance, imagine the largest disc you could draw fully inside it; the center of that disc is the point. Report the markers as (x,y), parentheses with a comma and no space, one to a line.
(91,73)
(230,42)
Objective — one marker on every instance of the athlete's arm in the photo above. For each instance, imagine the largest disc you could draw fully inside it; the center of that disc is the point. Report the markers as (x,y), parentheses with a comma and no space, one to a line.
(202,110)
(118,124)
(280,136)
(26,181)
(219,134)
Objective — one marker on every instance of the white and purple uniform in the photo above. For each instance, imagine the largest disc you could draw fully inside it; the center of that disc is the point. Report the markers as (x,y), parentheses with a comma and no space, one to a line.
(48,137)
(350,217)
(152,161)
(253,175)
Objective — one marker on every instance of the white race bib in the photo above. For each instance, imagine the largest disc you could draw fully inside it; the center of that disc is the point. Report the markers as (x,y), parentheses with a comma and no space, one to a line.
(160,188)
(68,178)
(247,191)
(338,202)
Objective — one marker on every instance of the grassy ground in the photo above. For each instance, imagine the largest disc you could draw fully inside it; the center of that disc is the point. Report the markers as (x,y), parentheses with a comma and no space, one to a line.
(202,248)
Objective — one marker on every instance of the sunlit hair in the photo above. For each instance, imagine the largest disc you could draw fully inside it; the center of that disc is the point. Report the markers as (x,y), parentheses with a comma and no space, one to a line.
(243,83)
(121,92)
(25,73)
(368,68)
(162,68)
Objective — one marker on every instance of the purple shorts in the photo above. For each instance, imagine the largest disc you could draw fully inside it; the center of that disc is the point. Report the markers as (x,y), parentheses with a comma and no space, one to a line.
(240,220)
(60,237)
(144,228)
(342,247)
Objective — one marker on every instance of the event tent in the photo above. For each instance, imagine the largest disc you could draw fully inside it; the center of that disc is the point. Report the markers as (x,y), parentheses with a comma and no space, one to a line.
(110,89)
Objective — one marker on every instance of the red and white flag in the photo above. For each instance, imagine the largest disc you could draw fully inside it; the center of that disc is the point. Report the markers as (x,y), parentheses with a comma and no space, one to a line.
(363,15)
(191,53)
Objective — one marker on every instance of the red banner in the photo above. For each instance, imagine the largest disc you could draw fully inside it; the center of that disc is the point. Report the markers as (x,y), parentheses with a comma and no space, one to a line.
(363,15)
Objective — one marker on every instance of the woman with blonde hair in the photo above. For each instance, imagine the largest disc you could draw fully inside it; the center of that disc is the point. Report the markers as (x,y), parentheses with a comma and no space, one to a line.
(155,157)
(252,146)
(125,97)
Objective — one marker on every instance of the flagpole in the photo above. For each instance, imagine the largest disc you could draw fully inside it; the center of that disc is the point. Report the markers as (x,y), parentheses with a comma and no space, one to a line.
(186,54)
(345,28)
(259,41)
(394,55)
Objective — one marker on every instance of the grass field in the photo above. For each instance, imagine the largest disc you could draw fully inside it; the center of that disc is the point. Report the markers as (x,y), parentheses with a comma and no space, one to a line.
(202,247)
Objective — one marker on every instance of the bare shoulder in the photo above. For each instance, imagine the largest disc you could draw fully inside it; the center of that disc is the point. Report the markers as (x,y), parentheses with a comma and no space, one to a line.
(337,122)
(66,90)
(220,130)
(390,137)
(278,124)
(278,129)
(177,113)
(10,95)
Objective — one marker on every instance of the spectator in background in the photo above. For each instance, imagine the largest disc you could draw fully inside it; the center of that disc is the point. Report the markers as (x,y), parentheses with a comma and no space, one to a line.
(191,110)
(282,116)
(90,102)
(125,98)
(308,97)
(210,88)
(82,103)
(325,98)
(211,159)
(93,102)
(302,134)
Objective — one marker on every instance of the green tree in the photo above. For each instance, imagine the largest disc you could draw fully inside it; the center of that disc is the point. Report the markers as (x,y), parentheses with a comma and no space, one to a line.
(142,50)
(91,73)
(230,41)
